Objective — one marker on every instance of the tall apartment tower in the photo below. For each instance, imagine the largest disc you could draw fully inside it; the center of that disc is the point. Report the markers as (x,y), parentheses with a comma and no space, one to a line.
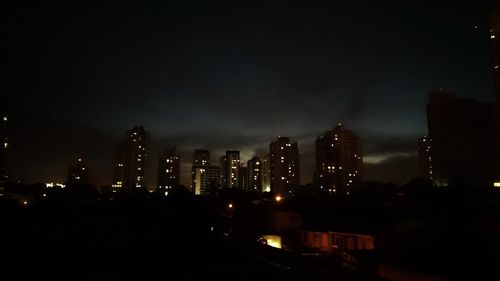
(223,171)
(243,178)
(78,173)
(424,151)
(284,160)
(4,144)
(339,159)
(265,173)
(169,170)
(206,179)
(494,34)
(231,169)
(254,174)
(201,158)
(463,139)
(495,46)
(131,155)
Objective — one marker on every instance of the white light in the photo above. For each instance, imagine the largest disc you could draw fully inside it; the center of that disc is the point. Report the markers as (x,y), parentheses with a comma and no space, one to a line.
(492,36)
(5,118)
(496,184)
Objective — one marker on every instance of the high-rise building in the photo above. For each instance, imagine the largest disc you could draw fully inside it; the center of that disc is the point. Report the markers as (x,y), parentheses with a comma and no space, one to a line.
(339,159)
(494,19)
(265,173)
(231,169)
(169,170)
(130,160)
(463,139)
(4,144)
(284,162)
(495,46)
(424,147)
(254,174)
(201,158)
(243,178)
(223,171)
(206,179)
(78,173)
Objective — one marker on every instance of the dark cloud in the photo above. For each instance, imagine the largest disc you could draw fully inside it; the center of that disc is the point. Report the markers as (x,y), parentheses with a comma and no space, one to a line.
(235,76)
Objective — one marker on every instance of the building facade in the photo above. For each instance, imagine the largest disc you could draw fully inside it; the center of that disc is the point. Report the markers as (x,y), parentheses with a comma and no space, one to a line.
(206,179)
(223,171)
(494,37)
(424,152)
(463,139)
(201,158)
(4,144)
(284,165)
(78,173)
(169,170)
(231,169)
(265,173)
(339,159)
(131,157)
(254,174)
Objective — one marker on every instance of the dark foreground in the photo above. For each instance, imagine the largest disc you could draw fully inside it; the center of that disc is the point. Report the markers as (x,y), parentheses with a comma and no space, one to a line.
(134,240)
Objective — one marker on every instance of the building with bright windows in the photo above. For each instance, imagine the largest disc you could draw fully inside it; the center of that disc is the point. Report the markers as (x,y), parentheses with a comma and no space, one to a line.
(254,174)
(339,159)
(78,173)
(230,169)
(424,147)
(169,170)
(284,165)
(201,158)
(131,157)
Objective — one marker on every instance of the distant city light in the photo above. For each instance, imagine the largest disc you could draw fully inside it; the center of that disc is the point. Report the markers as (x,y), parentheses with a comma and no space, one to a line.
(51,185)
(278,198)
(496,184)
(230,205)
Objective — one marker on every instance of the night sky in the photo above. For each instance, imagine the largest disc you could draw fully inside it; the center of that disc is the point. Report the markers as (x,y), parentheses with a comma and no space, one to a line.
(233,76)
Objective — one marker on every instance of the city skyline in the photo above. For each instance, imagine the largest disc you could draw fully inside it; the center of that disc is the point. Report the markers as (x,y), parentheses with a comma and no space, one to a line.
(311,78)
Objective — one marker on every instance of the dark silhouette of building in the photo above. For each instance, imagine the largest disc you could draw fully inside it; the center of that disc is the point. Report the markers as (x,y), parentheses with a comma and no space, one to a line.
(223,171)
(463,139)
(206,179)
(284,168)
(424,147)
(4,144)
(201,158)
(495,46)
(131,155)
(339,159)
(243,178)
(494,34)
(78,173)
(230,169)
(265,173)
(254,174)
(169,170)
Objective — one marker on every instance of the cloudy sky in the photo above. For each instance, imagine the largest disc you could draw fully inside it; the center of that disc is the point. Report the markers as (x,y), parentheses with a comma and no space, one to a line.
(233,76)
